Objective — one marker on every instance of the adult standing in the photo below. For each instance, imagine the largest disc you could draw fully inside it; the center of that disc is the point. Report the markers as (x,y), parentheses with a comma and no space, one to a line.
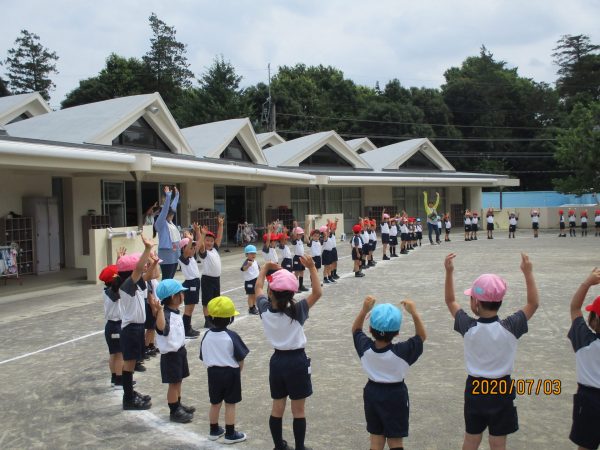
(432,217)
(168,234)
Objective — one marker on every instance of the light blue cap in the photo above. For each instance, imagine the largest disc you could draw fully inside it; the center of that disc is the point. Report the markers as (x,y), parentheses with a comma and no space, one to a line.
(169,287)
(386,317)
(250,249)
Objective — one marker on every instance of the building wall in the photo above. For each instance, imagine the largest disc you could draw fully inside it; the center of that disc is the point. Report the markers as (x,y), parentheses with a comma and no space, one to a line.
(196,194)
(377,196)
(277,195)
(86,195)
(19,185)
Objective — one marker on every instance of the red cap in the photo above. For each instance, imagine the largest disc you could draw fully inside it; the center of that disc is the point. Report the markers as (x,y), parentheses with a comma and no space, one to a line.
(108,273)
(594,306)
(356,228)
(560,211)
(210,234)
(281,236)
(583,213)
(597,212)
(571,212)
(315,232)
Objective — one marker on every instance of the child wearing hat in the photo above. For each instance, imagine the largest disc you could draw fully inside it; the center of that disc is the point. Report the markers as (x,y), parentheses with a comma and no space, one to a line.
(404,235)
(372,241)
(191,272)
(385,233)
(112,328)
(316,249)
(210,282)
(250,270)
(474,226)
(572,223)
(489,218)
(270,239)
(419,231)
(170,340)
(561,223)
(490,347)
(357,245)
(298,243)
(327,255)
(289,368)
(132,298)
(513,219)
(386,365)
(447,227)
(393,237)
(334,254)
(535,222)
(286,255)
(365,223)
(467,221)
(223,352)
(597,222)
(584,220)
(585,339)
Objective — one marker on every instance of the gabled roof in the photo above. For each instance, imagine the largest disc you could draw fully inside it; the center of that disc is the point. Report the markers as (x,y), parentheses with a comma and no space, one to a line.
(101,122)
(209,140)
(12,106)
(391,157)
(363,144)
(269,139)
(292,153)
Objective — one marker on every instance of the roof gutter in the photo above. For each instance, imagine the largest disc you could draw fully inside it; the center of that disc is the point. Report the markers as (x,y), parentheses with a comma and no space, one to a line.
(53,151)
(411,181)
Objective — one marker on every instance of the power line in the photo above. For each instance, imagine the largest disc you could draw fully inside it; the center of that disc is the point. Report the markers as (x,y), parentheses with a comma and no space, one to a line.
(349,119)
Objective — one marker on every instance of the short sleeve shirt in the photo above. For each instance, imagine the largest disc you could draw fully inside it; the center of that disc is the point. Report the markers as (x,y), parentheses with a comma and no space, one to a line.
(586,345)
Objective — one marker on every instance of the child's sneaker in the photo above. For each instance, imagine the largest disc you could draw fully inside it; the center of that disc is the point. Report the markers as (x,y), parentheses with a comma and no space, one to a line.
(144,397)
(180,416)
(303,289)
(139,367)
(235,437)
(386,258)
(336,276)
(253,310)
(192,334)
(359,274)
(187,409)
(214,435)
(137,403)
(285,447)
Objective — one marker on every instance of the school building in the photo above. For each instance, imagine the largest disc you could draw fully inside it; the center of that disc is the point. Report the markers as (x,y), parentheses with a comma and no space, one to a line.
(105,163)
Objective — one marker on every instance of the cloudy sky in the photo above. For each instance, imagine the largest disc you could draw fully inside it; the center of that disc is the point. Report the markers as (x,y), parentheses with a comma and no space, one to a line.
(414,41)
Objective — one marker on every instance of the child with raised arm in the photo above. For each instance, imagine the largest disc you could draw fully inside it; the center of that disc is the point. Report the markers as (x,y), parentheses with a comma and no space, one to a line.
(210,282)
(357,244)
(191,272)
(386,365)
(385,233)
(513,219)
(298,243)
(585,339)
(289,368)
(490,346)
(489,218)
(535,222)
(250,270)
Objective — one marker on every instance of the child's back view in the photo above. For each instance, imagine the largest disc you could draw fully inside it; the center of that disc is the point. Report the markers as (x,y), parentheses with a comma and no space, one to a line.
(490,349)
(386,364)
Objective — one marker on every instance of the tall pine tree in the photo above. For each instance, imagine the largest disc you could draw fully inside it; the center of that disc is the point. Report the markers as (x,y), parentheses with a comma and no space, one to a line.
(30,65)
(167,61)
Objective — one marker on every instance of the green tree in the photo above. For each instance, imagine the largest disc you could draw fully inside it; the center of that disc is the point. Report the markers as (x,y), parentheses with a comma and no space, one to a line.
(167,61)
(119,78)
(578,150)
(3,86)
(218,97)
(578,62)
(30,65)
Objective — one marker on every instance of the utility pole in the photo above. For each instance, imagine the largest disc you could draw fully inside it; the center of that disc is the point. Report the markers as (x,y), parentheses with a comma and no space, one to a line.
(268,112)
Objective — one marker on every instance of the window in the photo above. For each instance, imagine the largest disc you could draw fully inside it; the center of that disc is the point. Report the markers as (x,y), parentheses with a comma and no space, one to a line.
(113,202)
(267,145)
(360,151)
(325,156)
(253,205)
(399,197)
(23,116)
(141,134)
(235,151)
(305,201)
(419,161)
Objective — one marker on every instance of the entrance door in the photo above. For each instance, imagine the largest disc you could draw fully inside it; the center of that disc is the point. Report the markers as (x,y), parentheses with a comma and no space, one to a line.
(235,209)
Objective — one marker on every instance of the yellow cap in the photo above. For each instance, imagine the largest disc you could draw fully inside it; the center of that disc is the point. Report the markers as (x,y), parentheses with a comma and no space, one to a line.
(222,307)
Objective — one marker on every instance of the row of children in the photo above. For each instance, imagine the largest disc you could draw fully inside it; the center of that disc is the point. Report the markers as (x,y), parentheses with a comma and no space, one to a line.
(572,219)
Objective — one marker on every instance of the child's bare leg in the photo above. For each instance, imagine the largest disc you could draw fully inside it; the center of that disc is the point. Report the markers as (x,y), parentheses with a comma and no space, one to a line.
(173,392)
(497,442)
(229,413)
(377,442)
(149,338)
(213,413)
(278,407)
(472,441)
(117,359)
(394,442)
(188,310)
(385,246)
(251,300)
(205,310)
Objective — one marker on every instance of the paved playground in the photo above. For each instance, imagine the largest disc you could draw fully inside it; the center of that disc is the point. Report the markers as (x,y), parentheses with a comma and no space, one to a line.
(61,397)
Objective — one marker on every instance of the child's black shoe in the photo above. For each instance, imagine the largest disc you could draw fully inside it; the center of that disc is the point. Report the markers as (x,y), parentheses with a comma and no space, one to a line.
(144,397)
(253,310)
(216,434)
(386,258)
(359,274)
(303,289)
(180,416)
(285,447)
(139,367)
(187,409)
(136,403)
(235,437)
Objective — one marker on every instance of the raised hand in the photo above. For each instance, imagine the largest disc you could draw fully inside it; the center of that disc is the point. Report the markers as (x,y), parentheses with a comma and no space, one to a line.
(449,262)
(121,252)
(204,230)
(409,306)
(272,266)
(307,261)
(220,220)
(148,243)
(369,303)
(594,277)
(526,265)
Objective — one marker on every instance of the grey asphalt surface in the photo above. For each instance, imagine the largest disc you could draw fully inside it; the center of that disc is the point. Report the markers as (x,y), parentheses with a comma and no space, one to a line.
(61,397)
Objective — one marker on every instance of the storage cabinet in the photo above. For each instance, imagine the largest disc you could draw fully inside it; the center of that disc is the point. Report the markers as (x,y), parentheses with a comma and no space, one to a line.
(44,212)
(20,230)
(91,222)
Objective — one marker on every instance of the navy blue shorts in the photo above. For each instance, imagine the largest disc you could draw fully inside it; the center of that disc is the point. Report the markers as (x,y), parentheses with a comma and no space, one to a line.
(192,295)
(287,264)
(586,410)
(467,228)
(404,237)
(562,225)
(419,235)
(372,245)
(490,227)
(385,238)
(174,366)
(535,225)
(289,375)
(132,342)
(150,322)
(493,411)
(572,225)
(475,227)
(224,384)
(297,265)
(386,409)
(583,225)
(317,260)
(249,286)
(112,334)
(393,240)
(211,288)
(512,228)
(334,254)
(356,254)
(327,257)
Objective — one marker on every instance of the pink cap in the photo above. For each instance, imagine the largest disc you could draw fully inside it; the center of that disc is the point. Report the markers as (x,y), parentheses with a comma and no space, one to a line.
(282,280)
(386,216)
(488,288)
(184,242)
(127,263)
(298,230)
(323,228)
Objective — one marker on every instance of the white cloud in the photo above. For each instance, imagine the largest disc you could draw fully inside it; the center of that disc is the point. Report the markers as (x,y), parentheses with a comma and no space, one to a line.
(370,41)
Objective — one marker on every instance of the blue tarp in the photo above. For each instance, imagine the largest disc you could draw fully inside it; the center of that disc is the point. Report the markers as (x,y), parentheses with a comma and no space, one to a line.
(532,199)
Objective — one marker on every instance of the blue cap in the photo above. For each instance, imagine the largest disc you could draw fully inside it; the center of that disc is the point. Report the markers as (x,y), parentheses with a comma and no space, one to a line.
(386,317)
(250,249)
(169,287)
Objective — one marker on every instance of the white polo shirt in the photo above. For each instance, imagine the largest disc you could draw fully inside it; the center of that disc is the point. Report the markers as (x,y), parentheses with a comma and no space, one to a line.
(283,332)
(132,303)
(586,344)
(172,337)
(212,262)
(111,304)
